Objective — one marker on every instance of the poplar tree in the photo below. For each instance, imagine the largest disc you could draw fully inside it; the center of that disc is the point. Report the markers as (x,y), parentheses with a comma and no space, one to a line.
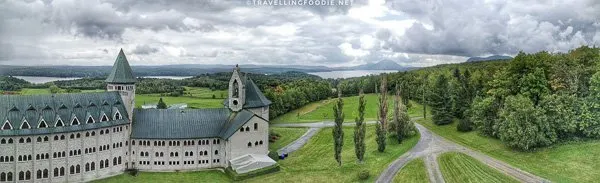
(359,129)
(338,133)
(381,126)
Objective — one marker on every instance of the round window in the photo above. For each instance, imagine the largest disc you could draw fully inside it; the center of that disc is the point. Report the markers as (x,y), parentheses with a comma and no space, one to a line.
(235,102)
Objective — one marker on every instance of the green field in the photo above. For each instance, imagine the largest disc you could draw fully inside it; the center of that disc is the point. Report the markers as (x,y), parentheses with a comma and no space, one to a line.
(567,162)
(413,172)
(288,135)
(194,97)
(315,161)
(174,177)
(322,110)
(460,168)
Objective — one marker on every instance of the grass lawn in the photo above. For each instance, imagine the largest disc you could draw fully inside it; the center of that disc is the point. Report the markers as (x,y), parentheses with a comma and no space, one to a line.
(315,161)
(195,97)
(323,110)
(175,177)
(413,172)
(460,168)
(567,162)
(288,135)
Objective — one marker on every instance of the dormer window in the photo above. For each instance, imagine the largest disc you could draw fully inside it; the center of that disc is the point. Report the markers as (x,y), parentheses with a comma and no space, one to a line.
(6,126)
(25,125)
(117,115)
(59,123)
(90,119)
(75,121)
(104,118)
(42,124)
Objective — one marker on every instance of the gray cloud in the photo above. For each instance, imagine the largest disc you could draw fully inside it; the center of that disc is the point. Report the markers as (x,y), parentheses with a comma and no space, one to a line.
(144,50)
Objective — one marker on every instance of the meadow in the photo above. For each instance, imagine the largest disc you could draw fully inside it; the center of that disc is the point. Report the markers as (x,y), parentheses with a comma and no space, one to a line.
(322,110)
(413,172)
(460,168)
(565,162)
(194,97)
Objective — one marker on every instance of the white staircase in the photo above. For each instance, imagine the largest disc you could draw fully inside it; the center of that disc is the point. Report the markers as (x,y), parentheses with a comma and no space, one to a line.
(250,162)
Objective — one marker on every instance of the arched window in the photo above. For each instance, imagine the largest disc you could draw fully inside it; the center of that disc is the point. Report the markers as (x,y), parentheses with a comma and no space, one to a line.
(205,153)
(56,137)
(106,163)
(38,175)
(191,153)
(45,138)
(93,166)
(87,167)
(176,154)
(21,175)
(77,169)
(39,139)
(236,92)
(3,141)
(101,164)
(90,119)
(247,128)
(249,144)
(114,161)
(106,131)
(62,171)
(242,129)
(59,123)
(87,134)
(101,132)
(216,152)
(72,136)
(78,135)
(260,142)
(93,133)
(117,115)
(72,170)
(21,140)
(9,176)
(62,137)
(2,177)
(119,160)
(10,140)
(28,140)
(55,172)
(45,173)
(256,143)
(75,121)
(255,126)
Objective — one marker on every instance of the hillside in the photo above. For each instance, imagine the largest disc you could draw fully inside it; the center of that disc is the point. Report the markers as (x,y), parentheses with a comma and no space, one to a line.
(493,57)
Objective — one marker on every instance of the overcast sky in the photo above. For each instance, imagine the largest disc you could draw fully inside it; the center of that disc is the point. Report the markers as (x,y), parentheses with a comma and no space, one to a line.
(410,32)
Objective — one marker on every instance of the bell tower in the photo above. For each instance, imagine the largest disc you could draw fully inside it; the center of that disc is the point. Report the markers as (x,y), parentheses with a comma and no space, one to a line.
(237,90)
(121,79)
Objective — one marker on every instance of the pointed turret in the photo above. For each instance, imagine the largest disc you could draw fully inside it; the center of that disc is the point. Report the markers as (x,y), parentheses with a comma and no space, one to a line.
(121,71)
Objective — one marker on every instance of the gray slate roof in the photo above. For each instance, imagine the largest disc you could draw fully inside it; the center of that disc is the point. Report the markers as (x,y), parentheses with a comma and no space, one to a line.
(254,97)
(187,123)
(121,71)
(34,108)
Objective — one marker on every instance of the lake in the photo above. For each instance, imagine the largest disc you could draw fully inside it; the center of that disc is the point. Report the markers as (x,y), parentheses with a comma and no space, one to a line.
(349,74)
(41,80)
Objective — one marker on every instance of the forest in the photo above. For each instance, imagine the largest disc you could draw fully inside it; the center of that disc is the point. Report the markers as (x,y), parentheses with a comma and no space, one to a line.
(534,100)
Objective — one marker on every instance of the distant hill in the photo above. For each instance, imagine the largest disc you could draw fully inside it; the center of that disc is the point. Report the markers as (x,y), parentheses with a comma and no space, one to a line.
(493,57)
(381,65)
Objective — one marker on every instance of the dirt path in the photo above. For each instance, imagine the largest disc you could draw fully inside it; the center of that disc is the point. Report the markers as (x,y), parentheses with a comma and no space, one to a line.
(430,145)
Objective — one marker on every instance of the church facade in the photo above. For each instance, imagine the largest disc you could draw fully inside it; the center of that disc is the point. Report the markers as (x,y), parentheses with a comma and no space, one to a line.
(87,136)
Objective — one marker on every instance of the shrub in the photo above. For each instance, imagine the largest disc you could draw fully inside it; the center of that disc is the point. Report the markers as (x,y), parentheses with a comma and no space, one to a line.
(363,175)
(524,126)
(464,125)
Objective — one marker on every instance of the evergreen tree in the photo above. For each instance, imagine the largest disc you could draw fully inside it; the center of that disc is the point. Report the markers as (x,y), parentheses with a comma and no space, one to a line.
(338,133)
(359,129)
(382,115)
(440,101)
(161,104)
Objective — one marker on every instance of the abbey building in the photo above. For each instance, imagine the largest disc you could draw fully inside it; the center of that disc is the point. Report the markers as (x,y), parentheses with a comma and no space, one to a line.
(87,136)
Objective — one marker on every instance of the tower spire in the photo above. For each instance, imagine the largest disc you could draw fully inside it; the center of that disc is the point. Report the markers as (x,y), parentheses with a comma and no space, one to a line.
(121,71)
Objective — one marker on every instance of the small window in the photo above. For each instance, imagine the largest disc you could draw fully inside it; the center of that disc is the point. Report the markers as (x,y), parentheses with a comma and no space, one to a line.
(249,144)
(117,115)
(7,126)
(90,120)
(247,128)
(216,152)
(75,121)
(42,124)
(59,123)
(25,125)
(255,126)
(104,118)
